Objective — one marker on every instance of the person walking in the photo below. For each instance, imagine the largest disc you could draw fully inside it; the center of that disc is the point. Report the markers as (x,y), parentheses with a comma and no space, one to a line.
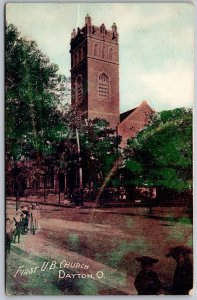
(34,218)
(24,221)
(18,225)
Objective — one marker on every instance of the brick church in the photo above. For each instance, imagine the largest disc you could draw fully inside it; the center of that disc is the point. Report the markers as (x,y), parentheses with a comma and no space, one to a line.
(95,94)
(95,80)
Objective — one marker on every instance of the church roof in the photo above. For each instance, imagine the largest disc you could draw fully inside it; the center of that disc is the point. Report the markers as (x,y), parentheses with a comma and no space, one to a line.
(126,114)
(133,121)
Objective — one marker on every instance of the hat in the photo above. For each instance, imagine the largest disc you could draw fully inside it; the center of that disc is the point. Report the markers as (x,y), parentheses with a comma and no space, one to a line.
(179,250)
(146,260)
(33,204)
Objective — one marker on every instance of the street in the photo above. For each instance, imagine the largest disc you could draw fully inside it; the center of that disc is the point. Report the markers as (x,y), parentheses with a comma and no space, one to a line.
(86,251)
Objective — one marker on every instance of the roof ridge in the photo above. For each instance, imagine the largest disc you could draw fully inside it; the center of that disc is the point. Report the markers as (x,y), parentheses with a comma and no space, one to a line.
(135,110)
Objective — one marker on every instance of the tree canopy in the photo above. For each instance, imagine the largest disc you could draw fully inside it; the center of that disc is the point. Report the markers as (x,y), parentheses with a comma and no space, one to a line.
(99,146)
(161,155)
(34,93)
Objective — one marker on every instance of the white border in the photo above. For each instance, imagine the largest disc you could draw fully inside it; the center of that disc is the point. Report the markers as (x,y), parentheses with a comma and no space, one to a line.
(2,152)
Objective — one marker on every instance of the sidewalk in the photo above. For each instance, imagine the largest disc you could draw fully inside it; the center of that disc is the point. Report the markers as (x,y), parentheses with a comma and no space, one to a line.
(51,200)
(34,251)
(169,213)
(54,200)
(105,239)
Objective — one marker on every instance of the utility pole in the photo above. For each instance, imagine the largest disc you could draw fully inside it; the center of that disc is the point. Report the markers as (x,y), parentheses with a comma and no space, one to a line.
(59,190)
(80,167)
(45,186)
(116,141)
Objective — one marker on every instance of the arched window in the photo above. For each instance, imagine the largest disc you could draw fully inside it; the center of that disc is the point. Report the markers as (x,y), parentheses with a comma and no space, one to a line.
(79,89)
(103,52)
(82,53)
(110,54)
(96,50)
(75,59)
(79,55)
(103,86)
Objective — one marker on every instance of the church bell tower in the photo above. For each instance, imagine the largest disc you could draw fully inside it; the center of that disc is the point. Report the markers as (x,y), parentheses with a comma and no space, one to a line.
(95,72)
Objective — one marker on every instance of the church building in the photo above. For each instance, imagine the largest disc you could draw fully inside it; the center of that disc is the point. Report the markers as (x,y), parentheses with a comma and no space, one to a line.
(94,94)
(95,80)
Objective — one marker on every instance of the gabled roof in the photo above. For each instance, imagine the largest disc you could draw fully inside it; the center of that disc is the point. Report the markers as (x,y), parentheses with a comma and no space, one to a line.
(133,121)
(126,114)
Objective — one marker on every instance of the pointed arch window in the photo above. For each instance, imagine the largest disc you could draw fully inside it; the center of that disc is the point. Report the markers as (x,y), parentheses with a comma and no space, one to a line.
(79,55)
(110,54)
(103,52)
(75,59)
(96,50)
(79,89)
(103,86)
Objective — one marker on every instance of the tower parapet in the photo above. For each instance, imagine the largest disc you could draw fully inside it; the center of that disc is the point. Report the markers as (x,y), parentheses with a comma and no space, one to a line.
(98,32)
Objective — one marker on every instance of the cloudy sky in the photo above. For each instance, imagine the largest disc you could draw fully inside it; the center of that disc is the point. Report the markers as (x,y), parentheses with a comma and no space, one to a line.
(156,45)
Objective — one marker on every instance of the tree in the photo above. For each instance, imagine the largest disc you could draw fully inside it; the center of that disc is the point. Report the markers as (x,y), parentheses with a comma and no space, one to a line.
(34,94)
(36,109)
(161,154)
(99,146)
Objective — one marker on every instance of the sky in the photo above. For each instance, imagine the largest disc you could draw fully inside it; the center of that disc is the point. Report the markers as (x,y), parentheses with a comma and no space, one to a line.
(156,45)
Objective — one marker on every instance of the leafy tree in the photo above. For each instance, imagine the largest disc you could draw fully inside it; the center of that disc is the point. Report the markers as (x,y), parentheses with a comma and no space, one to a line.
(36,110)
(34,94)
(99,146)
(161,154)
